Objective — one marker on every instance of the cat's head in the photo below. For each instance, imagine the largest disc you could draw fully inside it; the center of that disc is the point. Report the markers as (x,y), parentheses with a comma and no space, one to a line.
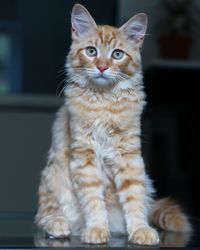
(104,55)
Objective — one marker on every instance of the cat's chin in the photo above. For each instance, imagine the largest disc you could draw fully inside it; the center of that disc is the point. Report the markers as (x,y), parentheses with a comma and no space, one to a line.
(102,81)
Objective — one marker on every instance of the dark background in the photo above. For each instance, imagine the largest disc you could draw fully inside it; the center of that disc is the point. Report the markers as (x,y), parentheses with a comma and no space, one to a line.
(39,32)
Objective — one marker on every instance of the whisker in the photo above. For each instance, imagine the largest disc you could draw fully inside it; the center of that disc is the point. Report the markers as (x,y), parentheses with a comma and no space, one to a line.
(59,71)
(60,74)
(73,78)
(62,91)
(66,80)
(60,85)
(121,77)
(61,68)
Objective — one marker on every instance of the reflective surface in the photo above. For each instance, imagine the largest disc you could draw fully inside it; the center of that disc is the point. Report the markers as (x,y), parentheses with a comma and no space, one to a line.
(21,233)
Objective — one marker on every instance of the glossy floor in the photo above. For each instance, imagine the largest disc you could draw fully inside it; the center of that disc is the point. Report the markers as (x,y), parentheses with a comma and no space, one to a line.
(21,233)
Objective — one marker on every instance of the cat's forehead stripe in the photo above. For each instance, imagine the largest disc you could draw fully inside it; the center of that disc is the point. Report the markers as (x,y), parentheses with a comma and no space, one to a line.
(101,36)
(107,35)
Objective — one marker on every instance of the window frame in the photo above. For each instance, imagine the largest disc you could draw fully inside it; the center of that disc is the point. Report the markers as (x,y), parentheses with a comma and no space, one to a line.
(14,30)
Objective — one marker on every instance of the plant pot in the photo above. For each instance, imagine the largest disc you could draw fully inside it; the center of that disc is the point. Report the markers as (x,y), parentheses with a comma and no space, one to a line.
(175,46)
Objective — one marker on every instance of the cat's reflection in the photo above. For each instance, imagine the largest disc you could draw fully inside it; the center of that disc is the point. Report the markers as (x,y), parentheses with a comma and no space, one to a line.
(42,240)
(167,239)
(170,239)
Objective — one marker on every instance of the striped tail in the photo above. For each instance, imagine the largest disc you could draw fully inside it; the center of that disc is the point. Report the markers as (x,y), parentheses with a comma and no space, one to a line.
(168,215)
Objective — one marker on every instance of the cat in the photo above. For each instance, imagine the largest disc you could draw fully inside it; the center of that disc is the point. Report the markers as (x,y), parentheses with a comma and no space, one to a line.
(95,181)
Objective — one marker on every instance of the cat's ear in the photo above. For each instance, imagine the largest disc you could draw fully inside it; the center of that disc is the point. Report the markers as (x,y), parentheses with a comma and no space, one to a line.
(81,21)
(135,29)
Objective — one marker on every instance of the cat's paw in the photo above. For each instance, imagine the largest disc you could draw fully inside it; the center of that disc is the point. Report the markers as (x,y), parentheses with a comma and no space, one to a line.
(95,235)
(57,228)
(145,236)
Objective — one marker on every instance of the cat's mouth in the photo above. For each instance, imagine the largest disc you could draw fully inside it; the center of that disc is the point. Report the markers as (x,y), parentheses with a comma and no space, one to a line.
(102,79)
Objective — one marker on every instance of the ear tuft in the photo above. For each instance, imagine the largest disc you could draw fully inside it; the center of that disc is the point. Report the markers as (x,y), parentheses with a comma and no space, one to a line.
(135,28)
(81,20)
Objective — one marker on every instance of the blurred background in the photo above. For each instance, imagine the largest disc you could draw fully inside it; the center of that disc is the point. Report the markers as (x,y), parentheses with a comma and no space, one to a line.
(34,40)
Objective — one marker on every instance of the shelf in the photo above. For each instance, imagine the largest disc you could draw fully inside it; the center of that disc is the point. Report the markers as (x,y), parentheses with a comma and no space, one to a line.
(177,64)
(30,101)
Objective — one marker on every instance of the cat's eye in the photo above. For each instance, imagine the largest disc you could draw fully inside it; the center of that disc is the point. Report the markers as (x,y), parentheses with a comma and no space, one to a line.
(91,51)
(117,54)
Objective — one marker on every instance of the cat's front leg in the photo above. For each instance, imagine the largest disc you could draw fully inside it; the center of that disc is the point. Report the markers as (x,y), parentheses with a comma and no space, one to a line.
(132,188)
(89,189)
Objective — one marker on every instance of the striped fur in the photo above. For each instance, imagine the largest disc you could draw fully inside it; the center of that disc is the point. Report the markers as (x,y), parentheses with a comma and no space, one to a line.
(95,181)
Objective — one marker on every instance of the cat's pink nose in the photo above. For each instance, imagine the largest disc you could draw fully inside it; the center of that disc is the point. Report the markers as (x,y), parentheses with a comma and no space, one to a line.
(102,68)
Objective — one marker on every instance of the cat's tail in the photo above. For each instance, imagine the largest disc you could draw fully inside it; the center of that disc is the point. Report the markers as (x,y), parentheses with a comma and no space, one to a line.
(168,215)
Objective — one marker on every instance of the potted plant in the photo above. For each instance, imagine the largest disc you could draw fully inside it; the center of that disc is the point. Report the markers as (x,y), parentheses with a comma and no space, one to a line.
(175,36)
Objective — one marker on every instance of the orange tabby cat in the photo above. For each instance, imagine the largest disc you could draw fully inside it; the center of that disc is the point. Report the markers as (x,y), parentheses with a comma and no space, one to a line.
(95,181)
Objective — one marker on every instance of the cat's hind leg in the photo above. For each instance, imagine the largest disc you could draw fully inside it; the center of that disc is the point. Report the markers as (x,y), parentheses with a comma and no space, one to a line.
(58,210)
(50,216)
